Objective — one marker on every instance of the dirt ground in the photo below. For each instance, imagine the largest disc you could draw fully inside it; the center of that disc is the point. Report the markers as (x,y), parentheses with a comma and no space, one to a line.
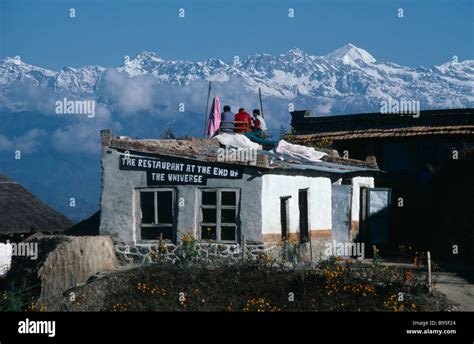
(456,282)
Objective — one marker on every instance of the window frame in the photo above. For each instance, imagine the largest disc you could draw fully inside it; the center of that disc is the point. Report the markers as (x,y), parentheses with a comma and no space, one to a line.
(219,207)
(155,208)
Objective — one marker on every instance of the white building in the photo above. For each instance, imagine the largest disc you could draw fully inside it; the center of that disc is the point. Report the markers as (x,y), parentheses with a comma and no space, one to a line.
(155,189)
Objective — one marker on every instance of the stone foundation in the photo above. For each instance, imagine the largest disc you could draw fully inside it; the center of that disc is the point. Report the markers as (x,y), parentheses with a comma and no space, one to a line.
(200,251)
(147,253)
(303,252)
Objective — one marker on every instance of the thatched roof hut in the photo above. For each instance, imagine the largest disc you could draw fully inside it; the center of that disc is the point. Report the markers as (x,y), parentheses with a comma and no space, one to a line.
(22,212)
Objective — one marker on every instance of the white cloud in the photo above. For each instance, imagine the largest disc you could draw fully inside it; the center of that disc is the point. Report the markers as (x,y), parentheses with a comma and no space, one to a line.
(83,135)
(27,143)
(5,143)
(129,95)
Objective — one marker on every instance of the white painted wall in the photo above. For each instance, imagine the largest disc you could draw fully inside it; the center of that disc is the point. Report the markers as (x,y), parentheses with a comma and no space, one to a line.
(276,186)
(119,201)
(357,183)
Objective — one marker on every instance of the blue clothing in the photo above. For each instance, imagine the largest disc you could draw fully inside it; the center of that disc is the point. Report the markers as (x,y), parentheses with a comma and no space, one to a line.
(265,142)
(227,127)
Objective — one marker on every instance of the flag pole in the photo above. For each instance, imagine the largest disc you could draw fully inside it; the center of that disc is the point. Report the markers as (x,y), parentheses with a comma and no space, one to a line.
(261,103)
(207,109)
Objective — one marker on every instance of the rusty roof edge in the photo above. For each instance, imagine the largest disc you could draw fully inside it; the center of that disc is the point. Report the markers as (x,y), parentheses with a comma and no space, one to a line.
(389,132)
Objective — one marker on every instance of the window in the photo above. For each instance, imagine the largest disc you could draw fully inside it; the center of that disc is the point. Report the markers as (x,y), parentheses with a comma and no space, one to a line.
(219,214)
(156,214)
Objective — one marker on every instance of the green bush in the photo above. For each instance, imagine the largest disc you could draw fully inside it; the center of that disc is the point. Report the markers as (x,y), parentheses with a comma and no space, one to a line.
(11,302)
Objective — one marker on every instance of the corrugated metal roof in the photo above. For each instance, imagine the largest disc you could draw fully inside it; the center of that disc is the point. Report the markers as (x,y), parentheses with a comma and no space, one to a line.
(282,161)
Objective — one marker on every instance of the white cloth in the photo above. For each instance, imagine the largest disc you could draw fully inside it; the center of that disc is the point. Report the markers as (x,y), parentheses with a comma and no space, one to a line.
(299,151)
(234,140)
(263,124)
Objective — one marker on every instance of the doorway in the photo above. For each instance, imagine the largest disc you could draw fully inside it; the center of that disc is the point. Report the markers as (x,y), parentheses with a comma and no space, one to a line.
(303,208)
(341,202)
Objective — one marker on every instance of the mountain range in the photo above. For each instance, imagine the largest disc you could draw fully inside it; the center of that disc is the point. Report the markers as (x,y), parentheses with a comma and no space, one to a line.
(60,153)
(346,80)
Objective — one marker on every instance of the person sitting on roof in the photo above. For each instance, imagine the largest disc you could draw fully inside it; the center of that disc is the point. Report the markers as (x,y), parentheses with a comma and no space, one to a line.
(244,122)
(259,124)
(227,120)
(259,132)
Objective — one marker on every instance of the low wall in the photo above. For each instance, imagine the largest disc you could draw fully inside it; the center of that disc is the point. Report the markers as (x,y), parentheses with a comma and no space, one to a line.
(148,253)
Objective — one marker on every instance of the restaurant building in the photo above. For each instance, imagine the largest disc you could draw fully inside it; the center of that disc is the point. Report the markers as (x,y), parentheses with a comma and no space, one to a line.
(159,190)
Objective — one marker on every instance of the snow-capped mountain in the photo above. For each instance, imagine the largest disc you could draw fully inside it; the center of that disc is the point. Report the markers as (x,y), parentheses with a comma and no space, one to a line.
(347,79)
(142,96)
(78,81)
(14,72)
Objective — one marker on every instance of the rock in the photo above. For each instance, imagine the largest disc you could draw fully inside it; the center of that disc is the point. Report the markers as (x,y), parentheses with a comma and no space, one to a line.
(223,248)
(148,260)
(237,255)
(120,248)
(178,252)
(75,261)
(171,248)
(144,250)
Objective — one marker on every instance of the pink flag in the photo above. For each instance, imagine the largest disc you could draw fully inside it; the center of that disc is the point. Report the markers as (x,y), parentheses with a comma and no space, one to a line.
(214,118)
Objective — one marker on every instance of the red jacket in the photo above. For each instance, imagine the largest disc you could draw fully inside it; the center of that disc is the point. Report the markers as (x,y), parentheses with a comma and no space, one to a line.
(243,117)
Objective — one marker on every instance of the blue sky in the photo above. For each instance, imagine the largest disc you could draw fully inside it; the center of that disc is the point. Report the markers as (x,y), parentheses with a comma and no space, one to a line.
(104,31)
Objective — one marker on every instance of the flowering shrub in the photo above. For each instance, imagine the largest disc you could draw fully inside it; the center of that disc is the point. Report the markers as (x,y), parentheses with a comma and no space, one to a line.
(10,302)
(334,285)
(259,304)
(188,246)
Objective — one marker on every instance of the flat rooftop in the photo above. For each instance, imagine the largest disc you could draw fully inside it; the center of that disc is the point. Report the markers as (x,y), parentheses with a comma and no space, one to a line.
(206,149)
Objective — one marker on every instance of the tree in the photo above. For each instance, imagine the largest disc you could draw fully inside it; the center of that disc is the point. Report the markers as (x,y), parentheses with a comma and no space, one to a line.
(168,133)
(283,132)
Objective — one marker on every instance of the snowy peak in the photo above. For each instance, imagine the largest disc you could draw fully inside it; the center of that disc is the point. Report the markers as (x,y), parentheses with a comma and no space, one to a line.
(350,54)
(296,53)
(13,70)
(12,60)
(15,64)
(148,55)
(78,81)
(347,79)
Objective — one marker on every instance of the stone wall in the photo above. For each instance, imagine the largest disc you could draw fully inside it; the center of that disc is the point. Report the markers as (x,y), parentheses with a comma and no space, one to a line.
(203,251)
